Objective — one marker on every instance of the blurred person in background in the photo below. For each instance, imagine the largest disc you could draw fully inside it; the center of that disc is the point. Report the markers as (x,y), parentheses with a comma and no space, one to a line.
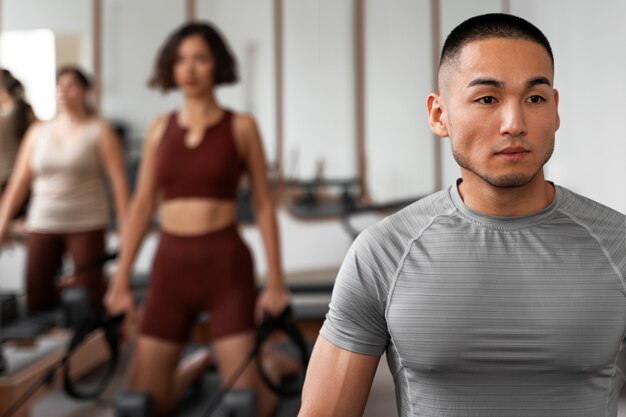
(63,163)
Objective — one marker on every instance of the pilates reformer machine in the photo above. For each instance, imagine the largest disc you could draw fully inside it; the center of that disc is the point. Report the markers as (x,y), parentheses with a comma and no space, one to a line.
(90,341)
(209,396)
(53,347)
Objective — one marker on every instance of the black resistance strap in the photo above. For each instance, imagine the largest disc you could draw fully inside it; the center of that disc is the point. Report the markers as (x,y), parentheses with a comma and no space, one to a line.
(110,328)
(283,323)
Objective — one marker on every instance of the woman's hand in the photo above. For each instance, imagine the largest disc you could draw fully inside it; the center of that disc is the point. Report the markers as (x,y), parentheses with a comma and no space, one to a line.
(272,300)
(119,299)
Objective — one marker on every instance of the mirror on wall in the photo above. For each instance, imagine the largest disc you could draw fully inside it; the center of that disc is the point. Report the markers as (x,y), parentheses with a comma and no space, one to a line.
(38,36)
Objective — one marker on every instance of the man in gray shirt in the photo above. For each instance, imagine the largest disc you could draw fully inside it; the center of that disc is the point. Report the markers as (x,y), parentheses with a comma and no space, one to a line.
(503,295)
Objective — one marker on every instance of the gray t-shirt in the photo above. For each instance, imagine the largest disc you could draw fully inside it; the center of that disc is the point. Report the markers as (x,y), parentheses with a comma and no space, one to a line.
(488,316)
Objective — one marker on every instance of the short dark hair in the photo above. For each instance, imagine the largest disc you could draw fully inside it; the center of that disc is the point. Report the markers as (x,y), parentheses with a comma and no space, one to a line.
(492,25)
(80,75)
(225,64)
(11,84)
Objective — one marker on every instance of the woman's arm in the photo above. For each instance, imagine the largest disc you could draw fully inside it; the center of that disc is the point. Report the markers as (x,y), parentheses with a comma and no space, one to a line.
(275,295)
(19,183)
(118,298)
(113,162)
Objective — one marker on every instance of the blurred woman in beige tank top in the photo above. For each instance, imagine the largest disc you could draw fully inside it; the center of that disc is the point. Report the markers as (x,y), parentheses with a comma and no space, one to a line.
(63,163)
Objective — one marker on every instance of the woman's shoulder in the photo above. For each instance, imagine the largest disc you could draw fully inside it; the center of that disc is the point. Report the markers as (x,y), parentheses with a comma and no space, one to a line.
(242,118)
(162,118)
(244,124)
(35,132)
(101,123)
(38,126)
(156,127)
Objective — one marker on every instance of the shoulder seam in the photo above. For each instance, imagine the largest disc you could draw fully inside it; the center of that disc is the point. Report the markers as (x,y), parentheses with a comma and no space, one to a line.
(604,250)
(392,286)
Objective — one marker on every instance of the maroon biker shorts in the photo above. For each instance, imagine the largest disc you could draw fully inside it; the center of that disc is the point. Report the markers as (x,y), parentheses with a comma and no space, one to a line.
(191,274)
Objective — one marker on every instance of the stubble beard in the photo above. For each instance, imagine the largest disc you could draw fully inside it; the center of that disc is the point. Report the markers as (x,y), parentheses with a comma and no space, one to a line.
(514,180)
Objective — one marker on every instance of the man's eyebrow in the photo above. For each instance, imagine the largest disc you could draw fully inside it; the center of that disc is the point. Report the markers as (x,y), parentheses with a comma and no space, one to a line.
(492,82)
(486,81)
(538,80)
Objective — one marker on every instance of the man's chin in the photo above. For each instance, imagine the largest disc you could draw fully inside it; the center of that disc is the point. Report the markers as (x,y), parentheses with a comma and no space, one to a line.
(509,181)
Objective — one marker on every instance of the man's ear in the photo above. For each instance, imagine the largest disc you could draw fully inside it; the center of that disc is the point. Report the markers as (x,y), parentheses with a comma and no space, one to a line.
(556,103)
(435,115)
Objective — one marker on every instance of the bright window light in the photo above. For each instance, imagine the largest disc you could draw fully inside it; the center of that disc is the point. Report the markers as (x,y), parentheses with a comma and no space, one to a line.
(30,56)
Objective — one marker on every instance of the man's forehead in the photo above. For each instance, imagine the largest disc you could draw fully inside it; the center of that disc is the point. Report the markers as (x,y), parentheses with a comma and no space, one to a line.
(498,58)
(495,46)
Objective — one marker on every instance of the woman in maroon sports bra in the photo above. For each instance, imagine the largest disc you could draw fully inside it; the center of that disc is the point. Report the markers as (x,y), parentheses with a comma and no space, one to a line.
(191,166)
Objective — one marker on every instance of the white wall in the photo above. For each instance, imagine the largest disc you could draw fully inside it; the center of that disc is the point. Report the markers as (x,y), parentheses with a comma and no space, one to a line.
(131,39)
(587,39)
(61,16)
(398,74)
(319,88)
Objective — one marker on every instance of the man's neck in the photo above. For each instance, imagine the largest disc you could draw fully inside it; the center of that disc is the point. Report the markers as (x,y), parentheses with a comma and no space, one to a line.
(506,202)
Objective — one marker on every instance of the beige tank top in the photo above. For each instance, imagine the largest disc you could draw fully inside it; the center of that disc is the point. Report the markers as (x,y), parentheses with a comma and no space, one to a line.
(68,191)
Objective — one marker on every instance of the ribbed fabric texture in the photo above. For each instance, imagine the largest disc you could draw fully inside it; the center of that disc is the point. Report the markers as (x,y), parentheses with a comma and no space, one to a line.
(68,191)
(485,316)
(212,169)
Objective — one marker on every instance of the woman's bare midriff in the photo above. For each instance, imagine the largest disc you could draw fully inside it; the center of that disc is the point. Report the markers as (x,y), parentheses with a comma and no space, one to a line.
(196,216)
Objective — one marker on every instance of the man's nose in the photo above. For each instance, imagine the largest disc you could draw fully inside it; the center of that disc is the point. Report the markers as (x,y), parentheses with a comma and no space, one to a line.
(513,120)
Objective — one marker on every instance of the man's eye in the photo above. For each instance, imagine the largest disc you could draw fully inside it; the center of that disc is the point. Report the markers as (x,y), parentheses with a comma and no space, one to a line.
(536,99)
(487,100)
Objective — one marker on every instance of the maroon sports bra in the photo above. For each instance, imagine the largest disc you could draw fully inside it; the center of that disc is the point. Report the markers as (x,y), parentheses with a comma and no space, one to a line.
(212,169)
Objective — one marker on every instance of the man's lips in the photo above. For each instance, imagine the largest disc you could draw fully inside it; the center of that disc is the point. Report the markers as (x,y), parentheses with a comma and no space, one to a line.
(513,153)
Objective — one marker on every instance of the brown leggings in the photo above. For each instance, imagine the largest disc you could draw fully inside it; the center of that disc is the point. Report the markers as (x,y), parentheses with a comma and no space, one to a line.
(45,254)
(211,272)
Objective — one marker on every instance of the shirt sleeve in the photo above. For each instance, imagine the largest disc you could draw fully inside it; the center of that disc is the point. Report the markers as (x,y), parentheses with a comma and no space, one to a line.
(356,318)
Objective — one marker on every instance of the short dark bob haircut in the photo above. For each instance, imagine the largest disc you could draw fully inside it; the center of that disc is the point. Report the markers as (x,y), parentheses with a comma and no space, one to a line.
(225,64)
